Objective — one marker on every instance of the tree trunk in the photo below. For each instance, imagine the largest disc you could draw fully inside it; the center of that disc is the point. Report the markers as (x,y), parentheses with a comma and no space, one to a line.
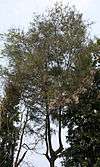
(90,163)
(52,163)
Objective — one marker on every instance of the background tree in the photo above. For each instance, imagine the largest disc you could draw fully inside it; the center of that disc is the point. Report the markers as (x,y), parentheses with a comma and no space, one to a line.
(9,117)
(83,119)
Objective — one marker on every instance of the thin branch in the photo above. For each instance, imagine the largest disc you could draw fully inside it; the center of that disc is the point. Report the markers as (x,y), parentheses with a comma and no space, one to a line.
(21,159)
(21,140)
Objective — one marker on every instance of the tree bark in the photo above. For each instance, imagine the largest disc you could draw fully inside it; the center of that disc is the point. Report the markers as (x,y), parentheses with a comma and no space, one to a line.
(52,163)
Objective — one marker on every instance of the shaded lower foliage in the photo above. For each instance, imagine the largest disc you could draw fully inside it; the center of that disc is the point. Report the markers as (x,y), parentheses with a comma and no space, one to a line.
(9,116)
(83,122)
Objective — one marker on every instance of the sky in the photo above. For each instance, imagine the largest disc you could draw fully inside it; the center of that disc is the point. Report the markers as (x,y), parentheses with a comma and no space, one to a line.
(18,14)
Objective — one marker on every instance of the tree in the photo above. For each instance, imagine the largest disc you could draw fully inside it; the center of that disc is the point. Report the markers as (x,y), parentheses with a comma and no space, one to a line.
(13,124)
(51,62)
(9,116)
(83,120)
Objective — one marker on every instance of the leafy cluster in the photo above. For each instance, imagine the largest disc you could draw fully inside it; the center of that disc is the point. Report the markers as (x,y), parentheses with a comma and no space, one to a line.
(83,120)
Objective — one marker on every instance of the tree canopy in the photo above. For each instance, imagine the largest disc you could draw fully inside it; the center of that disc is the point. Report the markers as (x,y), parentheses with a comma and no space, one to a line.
(51,64)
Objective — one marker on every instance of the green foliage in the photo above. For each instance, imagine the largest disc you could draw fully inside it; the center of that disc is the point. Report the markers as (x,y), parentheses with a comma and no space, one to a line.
(97,163)
(48,64)
(83,121)
(9,117)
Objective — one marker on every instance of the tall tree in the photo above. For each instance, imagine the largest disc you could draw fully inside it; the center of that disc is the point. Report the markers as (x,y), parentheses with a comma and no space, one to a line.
(51,61)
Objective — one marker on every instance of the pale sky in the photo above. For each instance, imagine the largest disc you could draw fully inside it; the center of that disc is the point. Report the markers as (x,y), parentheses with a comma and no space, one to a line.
(18,13)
